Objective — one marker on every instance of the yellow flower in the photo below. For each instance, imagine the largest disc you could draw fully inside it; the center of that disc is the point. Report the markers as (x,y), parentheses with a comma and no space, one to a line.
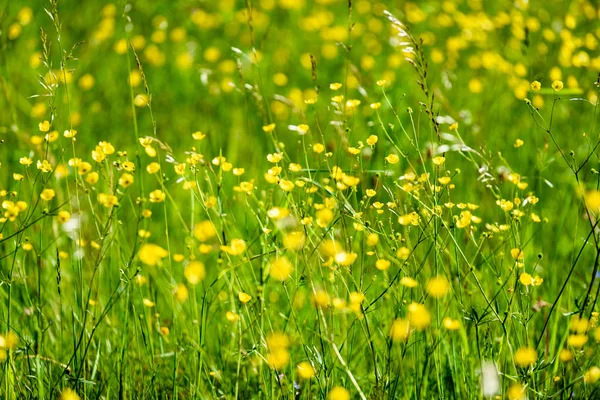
(517,254)
(69,394)
(151,254)
(181,293)
(278,344)
(382,264)
(148,303)
(403,253)
(392,158)
(526,279)
(127,165)
(70,133)
(44,126)
(451,324)
(577,341)
(198,135)
(25,161)
(294,240)
(126,180)
(141,100)
(153,167)
(235,248)
(280,269)
(302,129)
(438,287)
(592,375)
(47,194)
(535,86)
(439,160)
(408,282)
(418,316)
(244,297)
(204,231)
(194,272)
(338,393)
(305,370)
(557,85)
(157,196)
(400,330)
(525,356)
(372,140)
(565,355)
(335,86)
(268,128)
(63,216)
(318,148)
(179,168)
(516,391)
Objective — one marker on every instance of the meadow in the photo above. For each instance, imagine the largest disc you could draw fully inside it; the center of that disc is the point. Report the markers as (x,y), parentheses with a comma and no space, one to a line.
(299,199)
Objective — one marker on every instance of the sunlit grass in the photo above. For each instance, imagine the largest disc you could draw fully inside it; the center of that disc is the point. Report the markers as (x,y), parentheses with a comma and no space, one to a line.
(299,199)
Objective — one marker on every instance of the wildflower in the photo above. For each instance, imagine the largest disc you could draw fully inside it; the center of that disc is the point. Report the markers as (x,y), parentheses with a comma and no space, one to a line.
(408,282)
(536,86)
(557,85)
(392,158)
(335,86)
(525,356)
(403,253)
(152,254)
(141,100)
(418,316)
(44,126)
(372,140)
(439,160)
(324,217)
(278,344)
(47,194)
(451,324)
(194,272)
(318,148)
(236,247)
(204,231)
(294,240)
(153,167)
(338,393)
(69,394)
(148,303)
(302,129)
(565,355)
(25,161)
(63,216)
(400,330)
(70,133)
(198,135)
(157,196)
(516,391)
(382,264)
(244,297)
(305,370)
(126,180)
(280,269)
(517,254)
(231,316)
(181,293)
(592,375)
(438,287)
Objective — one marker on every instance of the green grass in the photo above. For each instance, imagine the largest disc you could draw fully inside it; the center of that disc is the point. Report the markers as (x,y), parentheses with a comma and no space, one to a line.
(299,199)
